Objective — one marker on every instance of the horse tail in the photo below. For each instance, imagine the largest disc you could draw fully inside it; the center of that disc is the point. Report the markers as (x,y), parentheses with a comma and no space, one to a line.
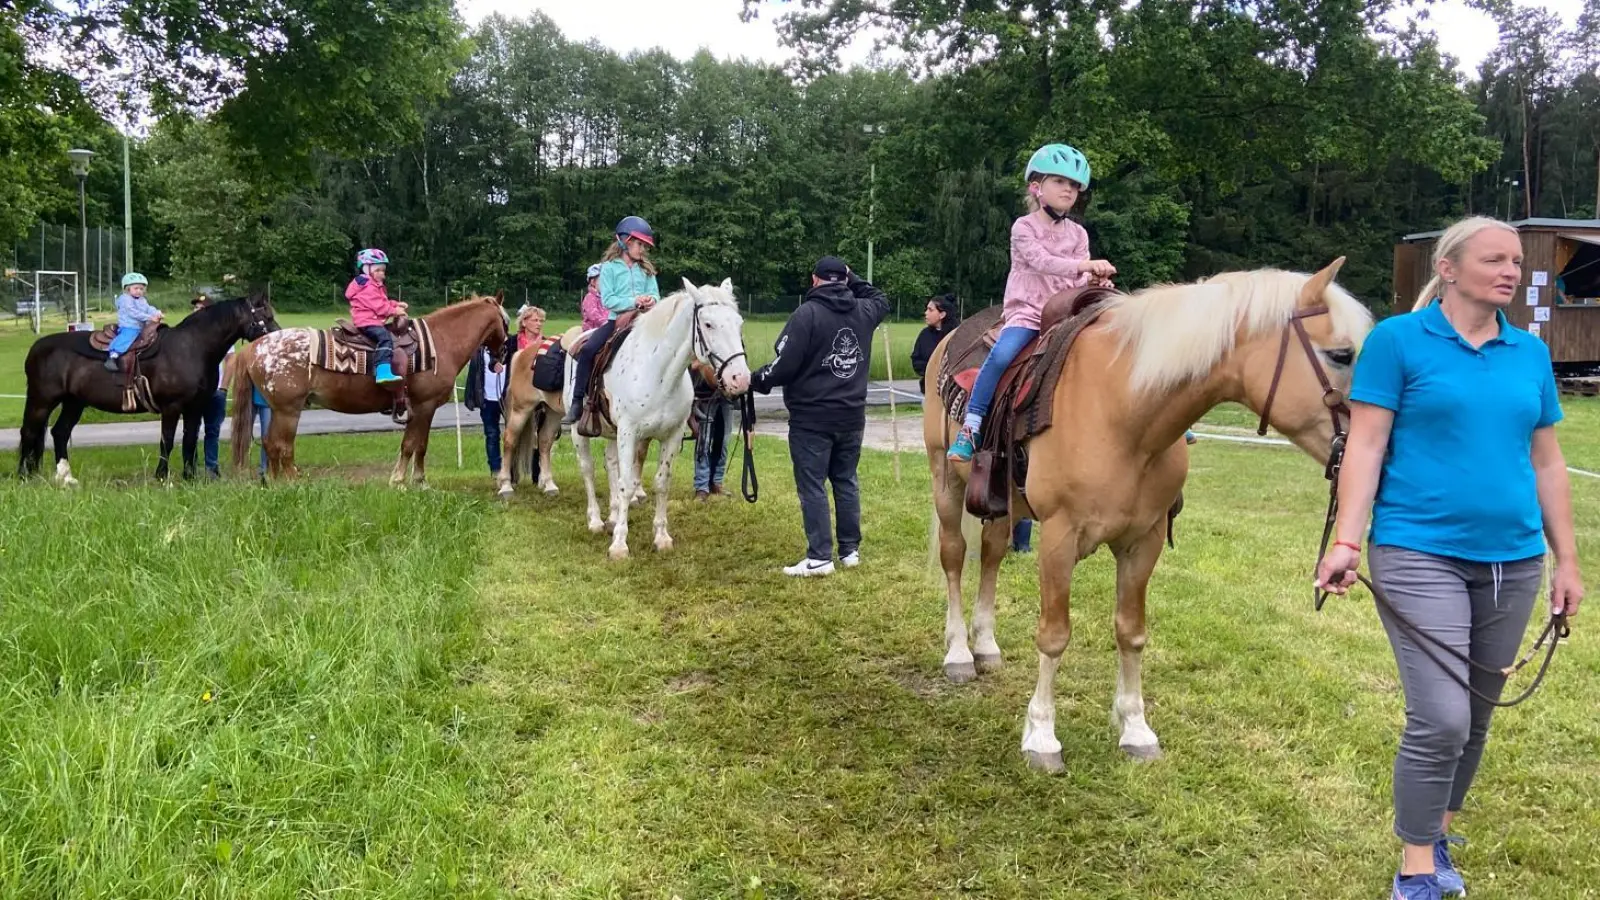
(243,390)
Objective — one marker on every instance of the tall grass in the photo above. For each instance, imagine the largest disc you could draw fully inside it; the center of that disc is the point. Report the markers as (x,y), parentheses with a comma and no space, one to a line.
(226,692)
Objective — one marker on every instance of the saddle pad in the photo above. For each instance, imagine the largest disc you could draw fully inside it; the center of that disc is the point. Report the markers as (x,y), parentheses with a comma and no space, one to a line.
(328,353)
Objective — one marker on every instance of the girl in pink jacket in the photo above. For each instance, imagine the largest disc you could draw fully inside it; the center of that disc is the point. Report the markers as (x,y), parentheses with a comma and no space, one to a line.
(370,306)
(1049,254)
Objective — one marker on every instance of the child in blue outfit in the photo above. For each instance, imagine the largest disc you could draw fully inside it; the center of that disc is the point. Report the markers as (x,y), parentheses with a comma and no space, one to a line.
(133,313)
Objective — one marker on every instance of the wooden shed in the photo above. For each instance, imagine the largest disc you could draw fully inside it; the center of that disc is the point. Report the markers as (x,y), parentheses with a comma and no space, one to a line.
(1559,298)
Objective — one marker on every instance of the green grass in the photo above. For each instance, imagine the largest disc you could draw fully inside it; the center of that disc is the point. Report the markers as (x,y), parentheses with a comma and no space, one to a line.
(760,335)
(495,703)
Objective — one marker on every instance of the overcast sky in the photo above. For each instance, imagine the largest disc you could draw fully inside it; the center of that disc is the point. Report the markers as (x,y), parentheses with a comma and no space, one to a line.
(684,26)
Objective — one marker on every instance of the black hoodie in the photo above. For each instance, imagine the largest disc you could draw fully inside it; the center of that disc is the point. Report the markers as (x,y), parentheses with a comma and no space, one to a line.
(824,354)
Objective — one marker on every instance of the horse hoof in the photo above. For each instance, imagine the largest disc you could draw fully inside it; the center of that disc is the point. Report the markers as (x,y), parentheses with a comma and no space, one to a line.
(506,490)
(618,554)
(1048,763)
(663,545)
(988,662)
(1146,753)
(960,673)
(596,526)
(551,491)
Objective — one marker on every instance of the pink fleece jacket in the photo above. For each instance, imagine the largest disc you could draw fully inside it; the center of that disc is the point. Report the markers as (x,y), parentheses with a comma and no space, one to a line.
(1046,259)
(369,302)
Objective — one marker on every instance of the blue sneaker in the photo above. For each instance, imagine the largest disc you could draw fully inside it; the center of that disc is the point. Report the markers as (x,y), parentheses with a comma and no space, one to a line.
(1416,887)
(1189,438)
(385,375)
(962,449)
(1445,871)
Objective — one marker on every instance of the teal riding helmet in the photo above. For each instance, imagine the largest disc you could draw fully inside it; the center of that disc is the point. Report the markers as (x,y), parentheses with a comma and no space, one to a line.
(1059,159)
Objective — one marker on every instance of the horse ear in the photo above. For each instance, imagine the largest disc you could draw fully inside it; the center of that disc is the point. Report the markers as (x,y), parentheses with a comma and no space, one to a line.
(727,285)
(689,286)
(499,296)
(1311,294)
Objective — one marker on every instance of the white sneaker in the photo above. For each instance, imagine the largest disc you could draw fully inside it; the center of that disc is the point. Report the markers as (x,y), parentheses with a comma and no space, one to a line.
(809,568)
(851,561)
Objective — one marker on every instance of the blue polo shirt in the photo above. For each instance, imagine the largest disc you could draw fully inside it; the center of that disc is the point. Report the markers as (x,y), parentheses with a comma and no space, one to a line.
(1457,477)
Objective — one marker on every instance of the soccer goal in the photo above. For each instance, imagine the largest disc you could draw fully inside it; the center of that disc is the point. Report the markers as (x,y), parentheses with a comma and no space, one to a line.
(43,294)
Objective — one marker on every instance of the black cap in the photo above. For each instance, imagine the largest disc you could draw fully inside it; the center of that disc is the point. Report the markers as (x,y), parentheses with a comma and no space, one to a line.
(831,268)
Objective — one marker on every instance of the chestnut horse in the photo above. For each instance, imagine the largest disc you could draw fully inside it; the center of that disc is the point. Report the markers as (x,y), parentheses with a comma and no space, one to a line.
(280,367)
(1115,460)
(532,424)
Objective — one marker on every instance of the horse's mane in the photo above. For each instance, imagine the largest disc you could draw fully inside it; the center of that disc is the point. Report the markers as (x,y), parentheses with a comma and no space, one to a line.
(1179,332)
(654,322)
(214,310)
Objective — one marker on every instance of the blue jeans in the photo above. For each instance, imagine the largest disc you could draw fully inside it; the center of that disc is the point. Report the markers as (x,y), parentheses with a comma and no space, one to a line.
(711,449)
(580,378)
(1006,347)
(489,412)
(385,341)
(216,411)
(1022,536)
(829,456)
(126,334)
(264,417)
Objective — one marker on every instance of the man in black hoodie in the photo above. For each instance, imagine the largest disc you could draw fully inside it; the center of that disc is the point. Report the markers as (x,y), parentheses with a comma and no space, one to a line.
(824,354)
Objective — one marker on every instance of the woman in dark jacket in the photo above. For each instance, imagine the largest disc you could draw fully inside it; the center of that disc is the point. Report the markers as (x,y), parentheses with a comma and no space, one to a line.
(942,315)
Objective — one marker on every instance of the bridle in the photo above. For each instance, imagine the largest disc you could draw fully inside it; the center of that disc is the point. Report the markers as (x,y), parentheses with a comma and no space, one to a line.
(703,351)
(1554,630)
(1332,398)
(749,484)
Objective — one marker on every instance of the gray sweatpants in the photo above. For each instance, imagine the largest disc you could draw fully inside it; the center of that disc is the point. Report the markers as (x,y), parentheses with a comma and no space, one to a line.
(1481,609)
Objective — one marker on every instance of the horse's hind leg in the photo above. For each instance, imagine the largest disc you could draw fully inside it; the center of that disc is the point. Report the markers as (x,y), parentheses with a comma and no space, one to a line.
(61,435)
(996,540)
(279,441)
(949,506)
(1135,563)
(586,468)
(516,420)
(549,430)
(620,459)
(669,450)
(35,419)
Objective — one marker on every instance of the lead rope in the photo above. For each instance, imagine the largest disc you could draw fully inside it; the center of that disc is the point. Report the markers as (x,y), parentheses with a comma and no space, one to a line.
(1555,630)
(749,485)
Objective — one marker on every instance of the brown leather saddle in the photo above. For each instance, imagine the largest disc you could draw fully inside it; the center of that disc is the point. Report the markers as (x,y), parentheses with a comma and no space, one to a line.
(596,404)
(136,394)
(405,341)
(1023,400)
(100,340)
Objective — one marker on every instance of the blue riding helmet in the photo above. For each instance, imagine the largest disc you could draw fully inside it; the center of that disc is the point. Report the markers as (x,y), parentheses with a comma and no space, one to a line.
(635,227)
(594,271)
(1059,159)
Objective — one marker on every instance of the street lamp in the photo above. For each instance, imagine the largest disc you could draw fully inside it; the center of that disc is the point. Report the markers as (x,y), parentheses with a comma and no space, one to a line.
(80,167)
(872,195)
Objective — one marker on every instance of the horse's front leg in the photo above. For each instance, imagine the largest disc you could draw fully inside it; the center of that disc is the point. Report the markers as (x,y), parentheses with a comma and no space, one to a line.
(516,418)
(585,453)
(169,431)
(1135,563)
(191,436)
(669,450)
(624,468)
(422,421)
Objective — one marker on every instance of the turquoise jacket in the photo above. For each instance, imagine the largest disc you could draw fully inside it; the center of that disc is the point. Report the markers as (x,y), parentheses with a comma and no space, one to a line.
(620,283)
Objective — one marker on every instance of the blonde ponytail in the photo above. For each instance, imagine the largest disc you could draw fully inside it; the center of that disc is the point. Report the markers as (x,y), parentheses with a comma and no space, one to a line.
(1449,246)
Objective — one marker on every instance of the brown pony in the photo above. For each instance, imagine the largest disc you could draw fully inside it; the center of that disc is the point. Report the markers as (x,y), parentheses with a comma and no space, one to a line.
(280,367)
(1115,460)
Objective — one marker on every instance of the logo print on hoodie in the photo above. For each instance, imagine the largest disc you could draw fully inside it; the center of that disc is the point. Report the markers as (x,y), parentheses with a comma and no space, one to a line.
(846,355)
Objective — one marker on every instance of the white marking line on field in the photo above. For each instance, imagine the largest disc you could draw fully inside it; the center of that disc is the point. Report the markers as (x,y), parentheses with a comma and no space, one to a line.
(1280,442)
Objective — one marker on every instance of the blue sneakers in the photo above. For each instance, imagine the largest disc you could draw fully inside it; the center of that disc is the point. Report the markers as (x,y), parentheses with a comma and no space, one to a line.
(961,450)
(1416,887)
(1449,878)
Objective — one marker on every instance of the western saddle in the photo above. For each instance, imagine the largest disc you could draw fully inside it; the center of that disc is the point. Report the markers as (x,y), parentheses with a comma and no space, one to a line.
(405,351)
(135,387)
(1022,405)
(596,414)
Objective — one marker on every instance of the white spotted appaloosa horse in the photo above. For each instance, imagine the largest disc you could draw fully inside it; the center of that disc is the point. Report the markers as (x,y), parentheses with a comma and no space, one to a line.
(1114,462)
(651,395)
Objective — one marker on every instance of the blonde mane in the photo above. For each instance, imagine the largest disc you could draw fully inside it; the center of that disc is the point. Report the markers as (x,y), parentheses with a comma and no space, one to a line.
(1178,333)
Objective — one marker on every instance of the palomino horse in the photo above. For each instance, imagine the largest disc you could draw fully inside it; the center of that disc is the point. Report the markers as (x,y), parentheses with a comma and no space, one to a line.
(1115,460)
(63,371)
(533,422)
(280,367)
(651,395)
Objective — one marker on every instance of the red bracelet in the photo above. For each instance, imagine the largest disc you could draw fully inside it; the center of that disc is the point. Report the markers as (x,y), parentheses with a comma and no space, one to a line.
(1355,547)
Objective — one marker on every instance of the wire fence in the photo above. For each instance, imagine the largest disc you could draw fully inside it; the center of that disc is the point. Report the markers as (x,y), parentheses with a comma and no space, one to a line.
(63,248)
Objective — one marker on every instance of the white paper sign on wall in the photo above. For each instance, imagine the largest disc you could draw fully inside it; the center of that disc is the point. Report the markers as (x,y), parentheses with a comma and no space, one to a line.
(1541,278)
(1534,329)
(1542,314)
(1533,296)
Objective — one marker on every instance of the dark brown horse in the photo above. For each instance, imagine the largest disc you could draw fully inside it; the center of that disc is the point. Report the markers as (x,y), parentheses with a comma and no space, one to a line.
(64,371)
(281,368)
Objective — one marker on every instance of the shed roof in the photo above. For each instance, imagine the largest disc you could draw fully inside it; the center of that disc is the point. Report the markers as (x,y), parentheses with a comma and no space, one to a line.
(1568,224)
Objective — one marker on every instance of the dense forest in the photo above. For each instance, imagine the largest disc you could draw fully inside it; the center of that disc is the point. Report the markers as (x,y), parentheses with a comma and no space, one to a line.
(1222,133)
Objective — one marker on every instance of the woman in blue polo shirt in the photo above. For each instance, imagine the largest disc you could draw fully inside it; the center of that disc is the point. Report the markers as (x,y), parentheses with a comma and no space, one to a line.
(1452,450)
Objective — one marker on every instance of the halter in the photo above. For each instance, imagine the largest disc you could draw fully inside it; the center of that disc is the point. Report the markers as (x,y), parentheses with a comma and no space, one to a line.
(749,485)
(1331,397)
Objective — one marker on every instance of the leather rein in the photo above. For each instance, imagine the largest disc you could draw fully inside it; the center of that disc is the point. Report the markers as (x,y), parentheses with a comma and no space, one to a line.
(1555,629)
(749,484)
